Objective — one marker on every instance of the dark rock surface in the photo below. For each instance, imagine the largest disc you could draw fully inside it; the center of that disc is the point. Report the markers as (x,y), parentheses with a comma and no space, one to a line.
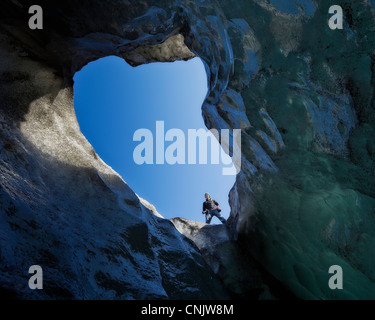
(304,200)
(239,273)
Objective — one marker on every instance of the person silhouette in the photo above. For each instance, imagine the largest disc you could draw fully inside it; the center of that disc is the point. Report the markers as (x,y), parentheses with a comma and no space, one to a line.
(211,208)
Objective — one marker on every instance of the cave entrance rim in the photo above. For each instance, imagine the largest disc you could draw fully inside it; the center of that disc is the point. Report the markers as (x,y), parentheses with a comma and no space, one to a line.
(198,112)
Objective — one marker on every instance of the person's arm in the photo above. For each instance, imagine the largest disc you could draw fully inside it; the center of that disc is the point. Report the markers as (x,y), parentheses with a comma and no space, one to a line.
(217,205)
(204,205)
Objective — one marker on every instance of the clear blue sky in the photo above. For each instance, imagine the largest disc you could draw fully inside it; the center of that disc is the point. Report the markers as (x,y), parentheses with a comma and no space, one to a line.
(113,100)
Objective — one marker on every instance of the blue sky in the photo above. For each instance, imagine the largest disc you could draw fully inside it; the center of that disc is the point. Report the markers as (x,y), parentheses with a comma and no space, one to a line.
(113,100)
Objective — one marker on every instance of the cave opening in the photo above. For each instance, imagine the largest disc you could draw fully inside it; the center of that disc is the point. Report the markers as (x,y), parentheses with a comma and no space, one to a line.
(114,100)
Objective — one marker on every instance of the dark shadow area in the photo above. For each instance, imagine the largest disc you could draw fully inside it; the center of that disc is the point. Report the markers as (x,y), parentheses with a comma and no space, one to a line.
(6,294)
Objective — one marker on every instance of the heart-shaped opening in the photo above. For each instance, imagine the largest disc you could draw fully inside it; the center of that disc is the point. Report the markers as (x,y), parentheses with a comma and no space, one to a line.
(113,100)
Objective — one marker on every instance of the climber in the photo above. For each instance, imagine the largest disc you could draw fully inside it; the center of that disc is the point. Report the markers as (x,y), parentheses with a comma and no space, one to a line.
(211,208)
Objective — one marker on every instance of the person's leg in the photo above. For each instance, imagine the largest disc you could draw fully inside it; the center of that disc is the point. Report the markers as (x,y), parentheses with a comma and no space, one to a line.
(219,216)
(222,219)
(208,218)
